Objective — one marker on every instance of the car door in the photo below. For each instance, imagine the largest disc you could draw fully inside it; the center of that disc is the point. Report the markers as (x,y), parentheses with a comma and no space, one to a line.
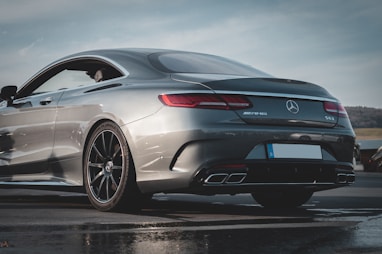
(27,124)
(26,133)
(30,127)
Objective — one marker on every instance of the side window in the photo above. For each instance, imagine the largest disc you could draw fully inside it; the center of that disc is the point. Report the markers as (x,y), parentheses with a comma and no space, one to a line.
(70,74)
(64,80)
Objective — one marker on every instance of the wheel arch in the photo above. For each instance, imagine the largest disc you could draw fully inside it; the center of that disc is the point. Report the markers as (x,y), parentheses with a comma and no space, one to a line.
(89,134)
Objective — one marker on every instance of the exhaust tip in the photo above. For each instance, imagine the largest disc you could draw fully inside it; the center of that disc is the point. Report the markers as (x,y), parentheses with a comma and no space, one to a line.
(216,178)
(345,178)
(236,178)
(350,178)
(224,178)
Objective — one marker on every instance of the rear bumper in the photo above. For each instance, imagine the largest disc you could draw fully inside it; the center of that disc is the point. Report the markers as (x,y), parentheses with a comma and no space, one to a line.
(194,156)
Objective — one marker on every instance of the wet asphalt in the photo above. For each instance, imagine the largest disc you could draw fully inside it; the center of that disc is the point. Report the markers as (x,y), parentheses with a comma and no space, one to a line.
(345,220)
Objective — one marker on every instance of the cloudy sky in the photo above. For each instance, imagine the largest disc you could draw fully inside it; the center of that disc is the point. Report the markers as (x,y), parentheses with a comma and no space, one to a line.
(333,43)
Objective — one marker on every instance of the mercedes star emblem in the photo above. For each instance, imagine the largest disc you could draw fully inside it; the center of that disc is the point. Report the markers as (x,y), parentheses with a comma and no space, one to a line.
(292,106)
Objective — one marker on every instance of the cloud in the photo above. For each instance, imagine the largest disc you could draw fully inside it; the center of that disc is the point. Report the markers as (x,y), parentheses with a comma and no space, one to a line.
(24,51)
(320,41)
(22,10)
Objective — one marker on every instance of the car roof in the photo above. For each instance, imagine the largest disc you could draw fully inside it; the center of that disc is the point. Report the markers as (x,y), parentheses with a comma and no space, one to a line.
(123,51)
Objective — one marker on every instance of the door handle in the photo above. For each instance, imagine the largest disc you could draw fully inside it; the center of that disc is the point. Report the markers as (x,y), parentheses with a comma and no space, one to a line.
(46,101)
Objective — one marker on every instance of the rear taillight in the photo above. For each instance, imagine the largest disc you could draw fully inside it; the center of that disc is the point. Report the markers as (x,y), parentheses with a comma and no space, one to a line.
(208,101)
(335,109)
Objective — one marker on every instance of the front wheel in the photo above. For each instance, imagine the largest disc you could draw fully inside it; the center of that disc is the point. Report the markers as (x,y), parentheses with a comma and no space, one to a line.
(282,199)
(109,173)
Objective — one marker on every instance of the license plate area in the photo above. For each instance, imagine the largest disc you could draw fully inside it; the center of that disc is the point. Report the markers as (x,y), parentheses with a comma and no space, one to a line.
(294,151)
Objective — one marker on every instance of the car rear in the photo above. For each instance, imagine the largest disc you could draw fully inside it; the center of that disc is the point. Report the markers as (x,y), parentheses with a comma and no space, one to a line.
(255,133)
(291,133)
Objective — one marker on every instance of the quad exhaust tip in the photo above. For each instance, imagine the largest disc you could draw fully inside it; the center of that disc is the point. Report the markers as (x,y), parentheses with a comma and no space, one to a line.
(343,178)
(226,178)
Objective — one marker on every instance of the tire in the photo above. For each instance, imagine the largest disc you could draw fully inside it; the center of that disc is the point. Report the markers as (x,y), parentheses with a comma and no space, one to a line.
(109,174)
(282,199)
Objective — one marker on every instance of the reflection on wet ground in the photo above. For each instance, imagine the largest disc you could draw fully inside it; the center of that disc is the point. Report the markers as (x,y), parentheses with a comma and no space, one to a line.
(168,225)
(264,240)
(347,220)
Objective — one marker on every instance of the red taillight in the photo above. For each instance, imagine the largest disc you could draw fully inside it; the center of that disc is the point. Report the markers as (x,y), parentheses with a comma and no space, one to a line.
(335,109)
(209,101)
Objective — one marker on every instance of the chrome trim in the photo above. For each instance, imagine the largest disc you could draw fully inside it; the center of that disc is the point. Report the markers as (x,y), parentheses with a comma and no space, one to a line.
(225,178)
(210,177)
(292,106)
(242,175)
(341,178)
(345,178)
(351,178)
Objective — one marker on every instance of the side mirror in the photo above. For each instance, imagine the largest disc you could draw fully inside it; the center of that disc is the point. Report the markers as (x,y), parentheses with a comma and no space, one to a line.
(7,93)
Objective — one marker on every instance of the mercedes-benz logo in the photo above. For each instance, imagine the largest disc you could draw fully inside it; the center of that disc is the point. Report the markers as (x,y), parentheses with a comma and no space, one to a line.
(292,106)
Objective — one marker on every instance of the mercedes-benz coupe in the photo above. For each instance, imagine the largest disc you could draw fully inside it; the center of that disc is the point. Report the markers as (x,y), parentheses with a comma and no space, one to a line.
(127,123)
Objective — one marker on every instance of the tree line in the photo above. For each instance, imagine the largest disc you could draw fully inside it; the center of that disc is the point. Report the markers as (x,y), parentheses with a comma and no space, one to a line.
(365,117)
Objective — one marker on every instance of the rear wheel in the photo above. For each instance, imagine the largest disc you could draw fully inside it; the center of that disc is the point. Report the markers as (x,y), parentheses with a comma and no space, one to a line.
(109,173)
(282,199)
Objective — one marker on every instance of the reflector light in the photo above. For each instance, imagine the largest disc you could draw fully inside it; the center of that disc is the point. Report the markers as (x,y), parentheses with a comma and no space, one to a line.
(335,109)
(207,101)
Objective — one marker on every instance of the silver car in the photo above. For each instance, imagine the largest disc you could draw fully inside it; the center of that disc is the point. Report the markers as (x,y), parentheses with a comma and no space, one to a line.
(124,124)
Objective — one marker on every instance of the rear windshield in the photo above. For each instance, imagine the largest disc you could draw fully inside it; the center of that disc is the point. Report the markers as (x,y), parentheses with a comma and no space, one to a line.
(180,62)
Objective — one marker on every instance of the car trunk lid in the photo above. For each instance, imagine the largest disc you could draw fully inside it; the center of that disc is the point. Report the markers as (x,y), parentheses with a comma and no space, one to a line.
(278,101)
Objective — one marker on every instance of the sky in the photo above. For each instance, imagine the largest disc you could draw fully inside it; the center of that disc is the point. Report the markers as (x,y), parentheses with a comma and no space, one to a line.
(333,43)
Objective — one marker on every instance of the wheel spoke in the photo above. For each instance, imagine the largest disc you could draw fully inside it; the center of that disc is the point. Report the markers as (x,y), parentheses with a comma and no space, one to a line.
(98,152)
(104,144)
(107,188)
(114,183)
(100,174)
(111,145)
(100,185)
(117,167)
(116,152)
(95,165)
